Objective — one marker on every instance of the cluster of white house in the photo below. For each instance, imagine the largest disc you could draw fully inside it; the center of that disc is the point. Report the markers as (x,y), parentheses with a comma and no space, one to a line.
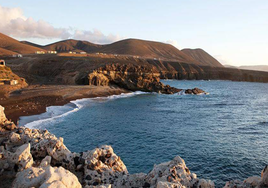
(71,52)
(44,52)
(7,81)
(55,52)
(17,55)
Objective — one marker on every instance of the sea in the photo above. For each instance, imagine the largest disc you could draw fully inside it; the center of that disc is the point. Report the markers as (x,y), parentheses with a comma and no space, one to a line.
(221,136)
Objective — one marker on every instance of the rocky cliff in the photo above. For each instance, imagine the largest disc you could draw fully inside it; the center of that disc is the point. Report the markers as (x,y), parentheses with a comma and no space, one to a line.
(133,78)
(130,77)
(37,158)
(49,69)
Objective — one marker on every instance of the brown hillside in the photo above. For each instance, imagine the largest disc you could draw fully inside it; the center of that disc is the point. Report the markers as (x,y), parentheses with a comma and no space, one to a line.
(203,57)
(4,52)
(13,45)
(50,69)
(7,74)
(147,49)
(135,47)
(70,45)
(131,47)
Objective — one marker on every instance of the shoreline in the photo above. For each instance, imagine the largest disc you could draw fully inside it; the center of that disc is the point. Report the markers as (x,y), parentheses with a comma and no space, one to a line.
(39,156)
(72,106)
(34,100)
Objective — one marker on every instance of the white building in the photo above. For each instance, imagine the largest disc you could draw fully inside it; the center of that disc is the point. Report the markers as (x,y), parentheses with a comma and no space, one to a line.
(40,52)
(52,52)
(17,55)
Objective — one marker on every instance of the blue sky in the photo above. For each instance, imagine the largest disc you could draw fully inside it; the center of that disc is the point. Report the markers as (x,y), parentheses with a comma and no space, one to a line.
(233,31)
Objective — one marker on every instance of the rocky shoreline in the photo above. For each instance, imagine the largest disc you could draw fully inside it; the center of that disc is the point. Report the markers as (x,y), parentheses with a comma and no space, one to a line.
(37,158)
(109,80)
(133,78)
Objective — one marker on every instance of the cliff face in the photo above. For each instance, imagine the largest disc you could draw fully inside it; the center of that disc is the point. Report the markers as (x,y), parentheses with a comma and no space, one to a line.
(192,72)
(69,70)
(134,78)
(130,77)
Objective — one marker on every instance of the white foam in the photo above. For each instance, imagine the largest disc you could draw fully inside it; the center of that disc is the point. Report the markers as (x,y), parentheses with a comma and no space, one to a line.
(182,92)
(56,112)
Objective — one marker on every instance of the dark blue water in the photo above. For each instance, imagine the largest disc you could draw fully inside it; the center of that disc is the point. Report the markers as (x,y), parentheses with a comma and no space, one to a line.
(221,136)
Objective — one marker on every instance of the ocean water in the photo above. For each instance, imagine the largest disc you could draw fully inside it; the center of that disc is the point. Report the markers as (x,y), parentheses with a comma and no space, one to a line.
(221,136)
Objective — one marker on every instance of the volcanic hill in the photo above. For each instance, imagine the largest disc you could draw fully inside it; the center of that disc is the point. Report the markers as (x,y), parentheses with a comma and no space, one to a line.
(9,46)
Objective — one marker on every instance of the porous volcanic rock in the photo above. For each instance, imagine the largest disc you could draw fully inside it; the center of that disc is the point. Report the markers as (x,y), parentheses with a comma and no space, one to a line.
(46,177)
(5,124)
(175,173)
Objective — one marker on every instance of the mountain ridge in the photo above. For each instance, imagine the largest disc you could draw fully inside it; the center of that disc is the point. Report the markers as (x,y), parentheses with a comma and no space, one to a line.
(128,47)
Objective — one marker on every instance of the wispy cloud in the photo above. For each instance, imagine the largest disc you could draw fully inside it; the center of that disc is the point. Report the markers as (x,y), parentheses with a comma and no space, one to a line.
(174,43)
(13,22)
(95,36)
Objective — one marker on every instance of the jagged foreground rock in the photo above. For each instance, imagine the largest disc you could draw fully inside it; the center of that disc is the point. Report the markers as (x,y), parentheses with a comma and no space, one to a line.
(5,124)
(37,158)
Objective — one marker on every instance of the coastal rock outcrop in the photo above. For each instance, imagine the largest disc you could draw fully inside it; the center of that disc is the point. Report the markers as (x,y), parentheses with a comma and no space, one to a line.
(5,124)
(195,91)
(134,78)
(251,182)
(175,173)
(130,77)
(46,177)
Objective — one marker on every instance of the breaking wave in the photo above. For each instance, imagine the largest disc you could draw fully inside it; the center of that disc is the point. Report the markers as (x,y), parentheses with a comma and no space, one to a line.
(56,112)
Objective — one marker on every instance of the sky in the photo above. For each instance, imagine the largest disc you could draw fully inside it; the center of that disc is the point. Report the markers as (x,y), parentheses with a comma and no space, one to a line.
(233,31)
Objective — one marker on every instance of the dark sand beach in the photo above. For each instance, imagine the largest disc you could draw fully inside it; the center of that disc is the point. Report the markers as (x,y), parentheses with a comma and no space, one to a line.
(34,99)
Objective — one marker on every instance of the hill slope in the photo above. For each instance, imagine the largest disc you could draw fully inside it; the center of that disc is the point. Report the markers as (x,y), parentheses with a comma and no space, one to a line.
(131,47)
(256,67)
(135,47)
(12,45)
(69,45)
(31,44)
(203,57)
(145,48)
(4,52)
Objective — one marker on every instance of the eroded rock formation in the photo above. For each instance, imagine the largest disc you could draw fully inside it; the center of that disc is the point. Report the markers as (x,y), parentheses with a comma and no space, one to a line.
(134,78)
(5,124)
